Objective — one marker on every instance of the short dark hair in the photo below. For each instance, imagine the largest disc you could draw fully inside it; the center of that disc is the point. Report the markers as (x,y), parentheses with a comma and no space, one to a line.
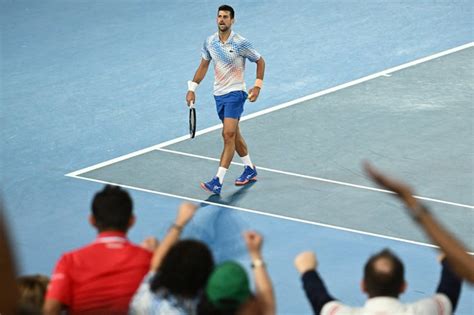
(226,7)
(384,282)
(185,269)
(112,209)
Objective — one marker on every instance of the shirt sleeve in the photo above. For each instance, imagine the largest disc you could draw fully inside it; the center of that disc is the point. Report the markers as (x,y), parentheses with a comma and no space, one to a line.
(59,287)
(142,301)
(449,285)
(247,51)
(315,290)
(437,305)
(205,52)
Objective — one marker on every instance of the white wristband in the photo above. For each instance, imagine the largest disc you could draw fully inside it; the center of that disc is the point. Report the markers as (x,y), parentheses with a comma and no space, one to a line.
(192,86)
(258,83)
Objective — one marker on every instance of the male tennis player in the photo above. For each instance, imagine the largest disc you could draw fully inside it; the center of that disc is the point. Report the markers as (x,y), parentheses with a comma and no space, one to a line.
(229,50)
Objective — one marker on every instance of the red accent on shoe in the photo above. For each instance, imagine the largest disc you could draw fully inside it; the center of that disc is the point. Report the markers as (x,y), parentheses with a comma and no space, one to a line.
(245,182)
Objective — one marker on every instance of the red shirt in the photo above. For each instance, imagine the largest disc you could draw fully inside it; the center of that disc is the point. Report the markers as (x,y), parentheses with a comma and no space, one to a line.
(102,275)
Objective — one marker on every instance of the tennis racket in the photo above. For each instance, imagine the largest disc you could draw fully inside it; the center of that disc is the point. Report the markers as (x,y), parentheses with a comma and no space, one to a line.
(192,120)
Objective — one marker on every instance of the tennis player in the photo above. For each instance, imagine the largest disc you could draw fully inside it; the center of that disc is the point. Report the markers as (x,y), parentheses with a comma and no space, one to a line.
(229,50)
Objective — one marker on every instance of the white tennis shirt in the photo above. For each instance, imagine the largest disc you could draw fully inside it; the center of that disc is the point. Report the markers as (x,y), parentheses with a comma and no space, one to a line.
(229,61)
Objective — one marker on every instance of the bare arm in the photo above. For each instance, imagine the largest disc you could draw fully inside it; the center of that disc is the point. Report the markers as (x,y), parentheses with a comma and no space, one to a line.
(185,213)
(52,307)
(198,77)
(263,283)
(255,91)
(461,262)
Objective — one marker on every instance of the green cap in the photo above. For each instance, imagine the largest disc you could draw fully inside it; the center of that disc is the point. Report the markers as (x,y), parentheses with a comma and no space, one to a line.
(228,283)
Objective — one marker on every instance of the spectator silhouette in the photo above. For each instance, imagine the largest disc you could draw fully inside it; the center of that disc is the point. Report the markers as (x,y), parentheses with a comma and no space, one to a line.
(101,277)
(228,292)
(32,290)
(178,273)
(383,282)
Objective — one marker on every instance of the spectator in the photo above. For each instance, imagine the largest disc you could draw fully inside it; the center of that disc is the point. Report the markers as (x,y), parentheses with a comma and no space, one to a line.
(228,292)
(383,282)
(178,273)
(456,254)
(101,277)
(32,291)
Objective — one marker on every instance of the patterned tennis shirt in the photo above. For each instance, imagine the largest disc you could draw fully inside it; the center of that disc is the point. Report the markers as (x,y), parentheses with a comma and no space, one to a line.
(229,61)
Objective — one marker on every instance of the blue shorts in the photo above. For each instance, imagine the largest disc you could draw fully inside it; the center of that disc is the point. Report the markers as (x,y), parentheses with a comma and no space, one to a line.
(230,105)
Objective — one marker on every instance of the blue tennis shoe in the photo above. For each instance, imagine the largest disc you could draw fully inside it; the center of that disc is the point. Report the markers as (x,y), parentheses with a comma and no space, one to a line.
(249,175)
(213,186)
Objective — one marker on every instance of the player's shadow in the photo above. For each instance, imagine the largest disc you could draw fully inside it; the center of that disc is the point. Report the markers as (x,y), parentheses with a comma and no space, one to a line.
(231,200)
(220,227)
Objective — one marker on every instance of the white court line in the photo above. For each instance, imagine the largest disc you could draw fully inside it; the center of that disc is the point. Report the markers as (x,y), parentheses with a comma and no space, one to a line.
(317,178)
(275,108)
(258,212)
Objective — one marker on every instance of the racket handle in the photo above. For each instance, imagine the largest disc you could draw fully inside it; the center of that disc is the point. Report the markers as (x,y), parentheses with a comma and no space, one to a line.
(191,105)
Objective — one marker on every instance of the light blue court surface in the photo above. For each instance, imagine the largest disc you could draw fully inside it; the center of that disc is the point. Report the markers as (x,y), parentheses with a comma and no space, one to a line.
(86,82)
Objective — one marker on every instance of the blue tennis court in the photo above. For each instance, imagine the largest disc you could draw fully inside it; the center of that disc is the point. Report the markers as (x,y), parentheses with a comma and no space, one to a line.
(95,91)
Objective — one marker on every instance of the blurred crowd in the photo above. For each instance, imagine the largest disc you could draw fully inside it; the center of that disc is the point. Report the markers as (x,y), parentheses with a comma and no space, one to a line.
(112,275)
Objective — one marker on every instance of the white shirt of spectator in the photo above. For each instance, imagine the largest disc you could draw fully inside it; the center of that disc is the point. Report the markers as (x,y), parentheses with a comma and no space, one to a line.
(438,304)
(229,61)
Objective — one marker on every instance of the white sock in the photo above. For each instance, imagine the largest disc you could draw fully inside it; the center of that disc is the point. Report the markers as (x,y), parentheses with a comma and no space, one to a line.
(246,160)
(221,173)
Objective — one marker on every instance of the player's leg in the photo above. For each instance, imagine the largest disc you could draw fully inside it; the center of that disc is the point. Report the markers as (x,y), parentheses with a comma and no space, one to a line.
(228,135)
(229,108)
(250,171)
(229,132)
(240,145)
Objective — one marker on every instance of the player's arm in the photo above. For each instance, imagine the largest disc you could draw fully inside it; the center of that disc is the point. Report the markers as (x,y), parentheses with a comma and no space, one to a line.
(255,91)
(198,77)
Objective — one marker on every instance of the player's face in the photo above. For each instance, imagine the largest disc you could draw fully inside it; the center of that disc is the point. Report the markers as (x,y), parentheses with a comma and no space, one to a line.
(224,22)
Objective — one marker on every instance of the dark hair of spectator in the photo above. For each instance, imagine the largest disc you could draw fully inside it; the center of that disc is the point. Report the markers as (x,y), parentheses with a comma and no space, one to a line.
(383,282)
(228,8)
(184,270)
(112,209)
(32,291)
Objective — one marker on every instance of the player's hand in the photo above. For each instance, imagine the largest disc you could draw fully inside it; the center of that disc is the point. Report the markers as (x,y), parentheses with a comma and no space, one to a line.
(306,261)
(254,242)
(190,97)
(253,93)
(185,213)
(402,190)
